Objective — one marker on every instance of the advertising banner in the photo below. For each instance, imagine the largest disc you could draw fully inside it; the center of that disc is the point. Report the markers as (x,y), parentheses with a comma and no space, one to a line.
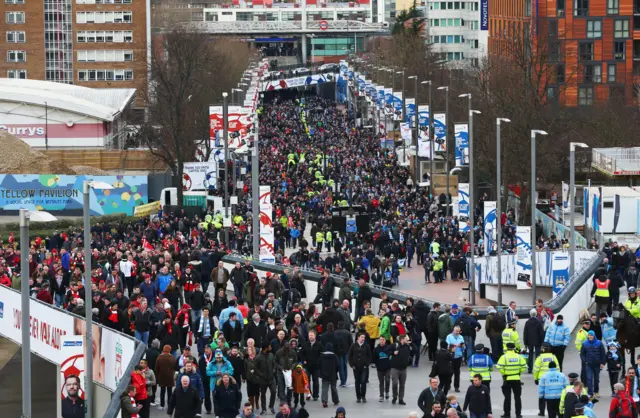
(199,176)
(490,225)
(455,205)
(49,327)
(62,193)
(410,110)
(463,206)
(397,105)
(440,132)
(308,80)
(240,123)
(523,257)
(72,374)
(560,272)
(380,98)
(147,210)
(267,236)
(586,206)
(405,133)
(565,197)
(388,101)
(424,145)
(484,14)
(461,131)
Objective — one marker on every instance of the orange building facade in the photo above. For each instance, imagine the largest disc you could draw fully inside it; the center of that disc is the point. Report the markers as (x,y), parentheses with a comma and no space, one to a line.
(591,47)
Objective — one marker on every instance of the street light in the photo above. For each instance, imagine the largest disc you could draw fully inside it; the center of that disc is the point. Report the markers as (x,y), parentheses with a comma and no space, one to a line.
(25,217)
(88,304)
(446,145)
(534,132)
(414,131)
(499,206)
(471,201)
(430,129)
(572,198)
(225,133)
(402,116)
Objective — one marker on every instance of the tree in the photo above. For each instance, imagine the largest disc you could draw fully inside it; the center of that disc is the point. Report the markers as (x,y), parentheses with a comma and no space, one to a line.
(189,72)
(409,21)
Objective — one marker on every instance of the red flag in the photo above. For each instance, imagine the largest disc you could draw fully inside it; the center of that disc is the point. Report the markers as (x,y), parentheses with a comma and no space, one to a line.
(146,245)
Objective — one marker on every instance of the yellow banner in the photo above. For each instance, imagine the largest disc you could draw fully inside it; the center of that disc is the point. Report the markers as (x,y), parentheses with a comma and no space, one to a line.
(147,209)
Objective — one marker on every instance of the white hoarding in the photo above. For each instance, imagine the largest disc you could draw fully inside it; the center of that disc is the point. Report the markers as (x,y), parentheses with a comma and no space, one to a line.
(523,257)
(199,176)
(463,206)
(489,224)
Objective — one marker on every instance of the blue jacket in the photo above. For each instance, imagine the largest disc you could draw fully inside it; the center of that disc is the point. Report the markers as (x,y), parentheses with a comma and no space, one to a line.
(195,381)
(608,332)
(551,384)
(212,369)
(558,335)
(592,352)
(149,291)
(455,316)
(162,281)
(65,260)
(224,316)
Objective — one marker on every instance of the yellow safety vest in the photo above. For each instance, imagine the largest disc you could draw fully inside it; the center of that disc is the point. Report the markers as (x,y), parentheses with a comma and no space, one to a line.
(479,364)
(319,237)
(511,365)
(541,366)
(510,335)
(602,288)
(329,236)
(581,338)
(633,307)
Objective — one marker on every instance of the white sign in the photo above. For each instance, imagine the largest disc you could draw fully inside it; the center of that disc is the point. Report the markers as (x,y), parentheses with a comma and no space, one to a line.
(23,130)
(523,257)
(566,205)
(267,236)
(463,206)
(199,176)
(489,227)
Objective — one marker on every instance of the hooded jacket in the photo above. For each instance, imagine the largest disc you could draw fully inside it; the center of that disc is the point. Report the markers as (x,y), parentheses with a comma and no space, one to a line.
(329,365)
(216,366)
(195,380)
(592,352)
(228,398)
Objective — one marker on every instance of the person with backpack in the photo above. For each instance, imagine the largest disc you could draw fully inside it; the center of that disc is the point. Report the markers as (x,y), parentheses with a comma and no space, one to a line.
(494,325)
(622,405)
(468,327)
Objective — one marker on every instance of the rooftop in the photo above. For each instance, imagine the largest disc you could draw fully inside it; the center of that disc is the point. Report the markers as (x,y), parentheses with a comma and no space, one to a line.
(104,104)
(617,161)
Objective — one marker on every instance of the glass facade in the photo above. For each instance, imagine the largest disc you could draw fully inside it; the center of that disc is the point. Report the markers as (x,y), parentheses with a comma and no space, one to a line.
(58,40)
(323,47)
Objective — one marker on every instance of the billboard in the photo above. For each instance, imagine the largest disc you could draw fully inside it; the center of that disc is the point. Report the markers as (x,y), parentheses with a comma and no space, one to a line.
(199,176)
(560,272)
(424,145)
(463,206)
(308,80)
(63,193)
(267,236)
(461,132)
(240,124)
(72,374)
(49,329)
(489,227)
(440,132)
(523,257)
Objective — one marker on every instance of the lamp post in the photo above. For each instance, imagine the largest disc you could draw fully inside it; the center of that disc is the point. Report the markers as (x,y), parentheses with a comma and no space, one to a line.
(414,131)
(472,205)
(572,199)
(225,133)
(88,304)
(255,189)
(499,206)
(430,129)
(25,217)
(446,147)
(402,116)
(46,126)
(534,274)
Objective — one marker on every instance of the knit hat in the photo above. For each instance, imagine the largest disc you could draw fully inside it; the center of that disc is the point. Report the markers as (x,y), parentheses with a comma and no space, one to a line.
(218,352)
(166,349)
(454,306)
(590,333)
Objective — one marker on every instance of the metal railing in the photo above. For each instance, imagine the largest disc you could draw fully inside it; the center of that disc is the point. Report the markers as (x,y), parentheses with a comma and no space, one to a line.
(114,404)
(261,27)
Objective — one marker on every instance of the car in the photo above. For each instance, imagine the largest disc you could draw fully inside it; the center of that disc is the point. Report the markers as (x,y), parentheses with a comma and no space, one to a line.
(329,68)
(271,75)
(301,71)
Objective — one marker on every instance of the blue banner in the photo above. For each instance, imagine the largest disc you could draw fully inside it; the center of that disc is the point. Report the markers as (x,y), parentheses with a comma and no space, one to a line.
(410,111)
(380,98)
(397,105)
(484,14)
(63,193)
(462,144)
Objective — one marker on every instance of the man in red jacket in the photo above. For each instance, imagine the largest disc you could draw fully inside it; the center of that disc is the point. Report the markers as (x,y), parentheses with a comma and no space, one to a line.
(139,381)
(44,295)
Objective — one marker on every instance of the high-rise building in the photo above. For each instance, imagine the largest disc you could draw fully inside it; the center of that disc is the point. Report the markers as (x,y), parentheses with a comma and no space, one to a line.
(588,46)
(93,43)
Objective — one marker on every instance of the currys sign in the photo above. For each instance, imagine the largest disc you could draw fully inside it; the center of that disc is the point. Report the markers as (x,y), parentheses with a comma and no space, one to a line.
(484,14)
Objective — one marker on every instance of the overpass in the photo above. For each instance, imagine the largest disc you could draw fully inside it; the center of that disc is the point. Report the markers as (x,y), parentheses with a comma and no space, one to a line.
(342,27)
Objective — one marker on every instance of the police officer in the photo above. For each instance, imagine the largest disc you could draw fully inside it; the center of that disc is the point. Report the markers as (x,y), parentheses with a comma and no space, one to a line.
(329,238)
(319,239)
(601,292)
(482,364)
(510,335)
(581,337)
(511,365)
(550,388)
(579,410)
(573,378)
(541,367)
(633,303)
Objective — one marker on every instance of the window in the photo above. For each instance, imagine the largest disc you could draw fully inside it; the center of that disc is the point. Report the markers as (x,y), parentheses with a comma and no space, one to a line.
(527,8)
(14,2)
(21,74)
(560,8)
(560,71)
(613,7)
(15,17)
(611,73)
(104,17)
(581,7)
(554,50)
(552,94)
(586,51)
(105,75)
(593,73)
(104,36)
(585,96)
(621,28)
(105,56)
(594,29)
(619,50)
(16,37)
(16,56)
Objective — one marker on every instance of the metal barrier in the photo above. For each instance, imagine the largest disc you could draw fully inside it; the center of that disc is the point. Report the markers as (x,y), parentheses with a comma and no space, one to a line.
(557,303)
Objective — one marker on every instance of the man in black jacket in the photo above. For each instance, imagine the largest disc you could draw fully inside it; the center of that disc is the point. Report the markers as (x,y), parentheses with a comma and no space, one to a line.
(205,359)
(364,293)
(232,329)
(382,360)
(185,401)
(359,360)
(256,329)
(399,362)
(533,337)
(432,330)
(204,333)
(429,396)
(478,398)
(310,356)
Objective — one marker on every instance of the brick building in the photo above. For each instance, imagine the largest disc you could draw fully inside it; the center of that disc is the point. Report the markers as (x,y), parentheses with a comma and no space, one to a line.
(92,43)
(591,46)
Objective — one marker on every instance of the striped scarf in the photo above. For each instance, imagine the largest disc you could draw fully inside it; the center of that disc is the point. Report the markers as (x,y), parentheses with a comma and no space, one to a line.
(133,402)
(204,330)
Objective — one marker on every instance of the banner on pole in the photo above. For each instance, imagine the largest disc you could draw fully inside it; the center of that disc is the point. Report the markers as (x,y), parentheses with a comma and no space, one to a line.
(461,131)
(463,206)
(440,132)
(489,227)
(388,101)
(397,105)
(267,236)
(560,271)
(424,145)
(523,257)
(410,111)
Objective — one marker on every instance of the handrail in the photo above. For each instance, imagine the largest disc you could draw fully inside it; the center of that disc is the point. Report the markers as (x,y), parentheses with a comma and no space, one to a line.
(114,404)
(556,304)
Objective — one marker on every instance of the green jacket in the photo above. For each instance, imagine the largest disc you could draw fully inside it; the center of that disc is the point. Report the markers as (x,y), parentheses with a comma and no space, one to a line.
(385,327)
(445,325)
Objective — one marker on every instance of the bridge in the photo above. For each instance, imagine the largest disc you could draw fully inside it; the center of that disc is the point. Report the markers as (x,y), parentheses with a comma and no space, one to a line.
(291,27)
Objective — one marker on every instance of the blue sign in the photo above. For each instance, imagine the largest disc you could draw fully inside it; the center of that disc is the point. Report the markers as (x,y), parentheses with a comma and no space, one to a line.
(484,14)
(462,144)
(1,310)
(72,344)
(351,225)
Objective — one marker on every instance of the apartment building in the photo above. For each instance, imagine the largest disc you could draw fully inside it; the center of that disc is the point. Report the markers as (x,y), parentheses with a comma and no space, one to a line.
(92,43)
(592,47)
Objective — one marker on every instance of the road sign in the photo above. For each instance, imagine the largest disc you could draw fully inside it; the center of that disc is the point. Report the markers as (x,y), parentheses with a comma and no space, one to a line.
(324,25)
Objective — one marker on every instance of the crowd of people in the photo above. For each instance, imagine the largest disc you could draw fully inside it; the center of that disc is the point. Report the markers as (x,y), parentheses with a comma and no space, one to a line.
(164,283)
